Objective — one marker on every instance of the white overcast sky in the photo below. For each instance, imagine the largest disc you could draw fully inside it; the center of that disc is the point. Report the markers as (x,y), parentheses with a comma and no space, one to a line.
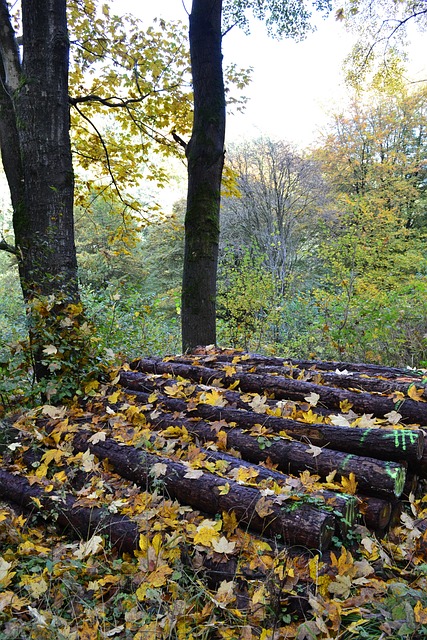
(294,84)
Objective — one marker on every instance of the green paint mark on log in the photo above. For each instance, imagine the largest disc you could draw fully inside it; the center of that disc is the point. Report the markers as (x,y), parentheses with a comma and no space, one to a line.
(401,436)
(365,434)
(346,460)
(398,474)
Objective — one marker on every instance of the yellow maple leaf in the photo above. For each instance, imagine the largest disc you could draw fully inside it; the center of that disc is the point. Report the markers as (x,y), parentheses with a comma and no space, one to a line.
(159,576)
(310,417)
(397,396)
(60,477)
(345,563)
(53,454)
(113,398)
(245,474)
(91,386)
(415,394)
(349,484)
(88,631)
(420,613)
(229,520)
(206,532)
(229,370)
(221,440)
(259,595)
(41,471)
(37,586)
(174,432)
(10,599)
(223,489)
(5,574)
(214,398)
(345,406)
(264,507)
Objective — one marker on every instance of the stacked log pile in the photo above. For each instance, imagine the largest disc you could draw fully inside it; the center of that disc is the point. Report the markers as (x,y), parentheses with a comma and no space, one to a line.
(297,451)
(344,420)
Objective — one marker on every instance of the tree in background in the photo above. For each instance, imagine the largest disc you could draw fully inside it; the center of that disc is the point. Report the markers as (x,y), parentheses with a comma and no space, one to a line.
(205,151)
(281,197)
(375,157)
(382,28)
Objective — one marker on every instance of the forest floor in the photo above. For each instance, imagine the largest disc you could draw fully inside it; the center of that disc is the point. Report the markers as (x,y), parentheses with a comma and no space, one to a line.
(219,495)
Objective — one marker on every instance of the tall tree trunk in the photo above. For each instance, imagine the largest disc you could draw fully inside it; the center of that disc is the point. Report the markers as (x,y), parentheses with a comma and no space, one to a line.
(35,113)
(205,155)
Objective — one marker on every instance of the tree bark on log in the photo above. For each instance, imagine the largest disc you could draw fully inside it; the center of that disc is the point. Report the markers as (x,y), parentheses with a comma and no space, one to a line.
(377,477)
(291,389)
(122,532)
(376,512)
(384,444)
(350,380)
(343,504)
(303,525)
(323,365)
(374,477)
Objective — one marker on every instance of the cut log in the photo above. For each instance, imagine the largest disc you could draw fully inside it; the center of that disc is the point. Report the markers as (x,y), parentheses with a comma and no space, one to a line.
(377,477)
(121,531)
(291,389)
(373,476)
(254,359)
(351,380)
(386,444)
(343,505)
(376,512)
(302,525)
(356,378)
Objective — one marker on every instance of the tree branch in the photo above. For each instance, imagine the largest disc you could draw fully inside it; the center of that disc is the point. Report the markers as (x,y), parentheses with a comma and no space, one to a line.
(9,50)
(107,156)
(5,246)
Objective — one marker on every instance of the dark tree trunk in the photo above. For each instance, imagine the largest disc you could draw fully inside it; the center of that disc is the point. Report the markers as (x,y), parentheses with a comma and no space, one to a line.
(205,155)
(44,230)
(36,151)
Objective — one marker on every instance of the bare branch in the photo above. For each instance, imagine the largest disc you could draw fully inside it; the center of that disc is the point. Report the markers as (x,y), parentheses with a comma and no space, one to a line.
(107,156)
(9,50)
(5,246)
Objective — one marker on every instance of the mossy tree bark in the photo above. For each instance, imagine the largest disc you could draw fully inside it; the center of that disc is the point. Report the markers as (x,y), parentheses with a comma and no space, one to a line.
(36,153)
(205,156)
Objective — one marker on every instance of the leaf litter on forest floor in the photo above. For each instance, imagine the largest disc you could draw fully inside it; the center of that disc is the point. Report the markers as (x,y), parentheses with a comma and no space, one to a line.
(178,583)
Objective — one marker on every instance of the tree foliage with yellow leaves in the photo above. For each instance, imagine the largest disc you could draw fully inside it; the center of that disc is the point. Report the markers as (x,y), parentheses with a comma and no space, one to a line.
(375,157)
(127,87)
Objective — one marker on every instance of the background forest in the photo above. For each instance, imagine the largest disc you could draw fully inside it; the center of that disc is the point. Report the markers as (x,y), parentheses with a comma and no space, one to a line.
(322,252)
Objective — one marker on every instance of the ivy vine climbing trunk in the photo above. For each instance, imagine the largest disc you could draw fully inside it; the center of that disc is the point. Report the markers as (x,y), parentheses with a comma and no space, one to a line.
(36,154)
(205,156)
